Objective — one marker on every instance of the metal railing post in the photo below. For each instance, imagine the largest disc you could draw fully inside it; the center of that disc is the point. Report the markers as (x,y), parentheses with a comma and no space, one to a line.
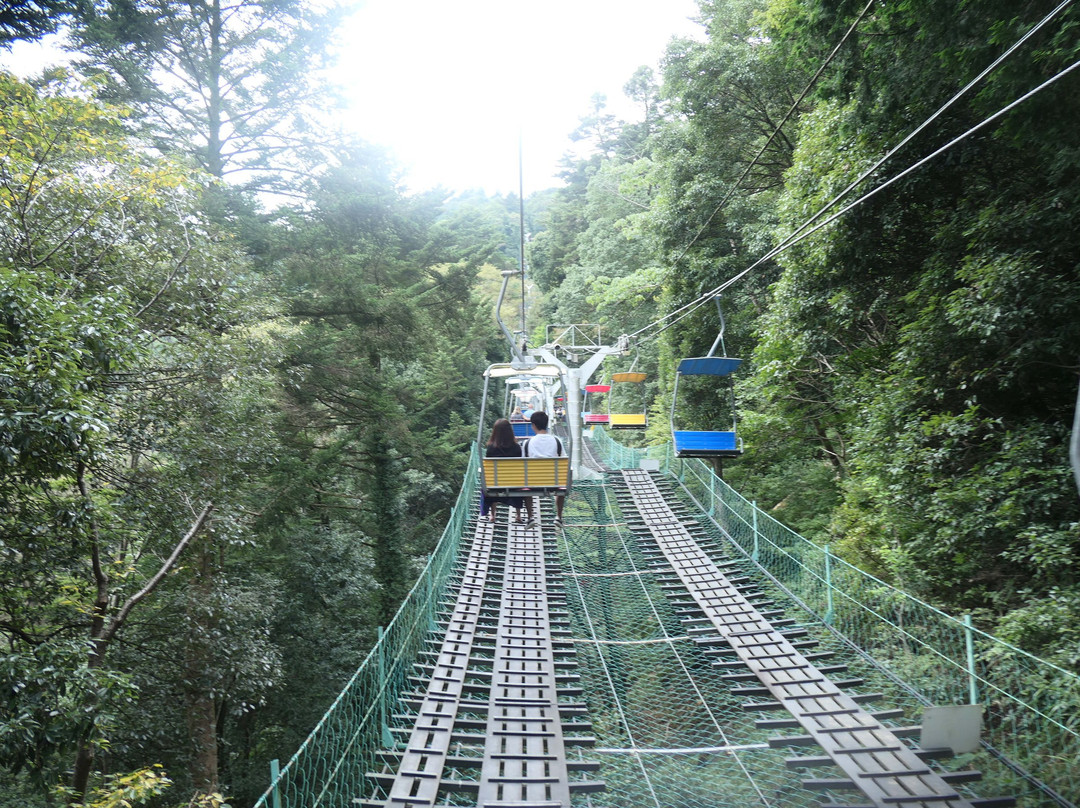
(275,774)
(753,517)
(384,725)
(829,614)
(969,642)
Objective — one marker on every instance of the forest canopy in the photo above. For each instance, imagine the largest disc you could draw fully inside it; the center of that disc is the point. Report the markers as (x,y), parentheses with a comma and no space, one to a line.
(240,366)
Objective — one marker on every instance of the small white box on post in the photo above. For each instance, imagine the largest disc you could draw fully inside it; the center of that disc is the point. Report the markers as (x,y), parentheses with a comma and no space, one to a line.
(955,726)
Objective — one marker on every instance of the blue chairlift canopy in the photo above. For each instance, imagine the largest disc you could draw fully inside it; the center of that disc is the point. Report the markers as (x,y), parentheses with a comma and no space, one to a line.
(709,366)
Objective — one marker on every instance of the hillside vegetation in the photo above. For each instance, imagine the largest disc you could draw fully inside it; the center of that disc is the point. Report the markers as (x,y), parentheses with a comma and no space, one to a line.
(240,365)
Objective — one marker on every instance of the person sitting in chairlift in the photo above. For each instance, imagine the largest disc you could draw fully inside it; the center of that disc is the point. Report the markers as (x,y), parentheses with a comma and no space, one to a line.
(503,443)
(544,444)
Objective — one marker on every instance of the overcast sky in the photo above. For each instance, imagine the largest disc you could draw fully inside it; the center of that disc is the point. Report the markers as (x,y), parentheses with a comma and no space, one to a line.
(448,85)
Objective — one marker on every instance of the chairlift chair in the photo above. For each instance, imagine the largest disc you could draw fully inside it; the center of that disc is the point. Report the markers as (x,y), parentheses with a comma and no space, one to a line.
(629,420)
(522,476)
(524,397)
(700,443)
(591,418)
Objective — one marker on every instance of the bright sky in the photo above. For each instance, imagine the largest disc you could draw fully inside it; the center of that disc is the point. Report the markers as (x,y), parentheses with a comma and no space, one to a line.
(448,85)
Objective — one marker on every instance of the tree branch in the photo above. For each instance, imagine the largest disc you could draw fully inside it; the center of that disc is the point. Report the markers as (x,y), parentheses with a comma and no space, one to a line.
(151,585)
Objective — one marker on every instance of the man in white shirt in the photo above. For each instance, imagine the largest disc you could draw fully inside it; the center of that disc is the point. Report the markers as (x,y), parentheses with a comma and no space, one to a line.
(544,444)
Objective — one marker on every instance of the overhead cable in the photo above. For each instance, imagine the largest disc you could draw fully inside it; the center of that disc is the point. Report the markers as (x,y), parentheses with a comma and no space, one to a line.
(792,240)
(775,133)
(797,235)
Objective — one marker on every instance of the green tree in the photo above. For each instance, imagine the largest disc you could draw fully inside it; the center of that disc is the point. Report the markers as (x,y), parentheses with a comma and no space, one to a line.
(230,82)
(31,19)
(117,295)
(932,330)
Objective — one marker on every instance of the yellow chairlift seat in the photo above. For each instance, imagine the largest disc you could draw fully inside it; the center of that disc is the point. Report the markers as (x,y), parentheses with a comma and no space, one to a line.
(522,476)
(627,420)
(525,476)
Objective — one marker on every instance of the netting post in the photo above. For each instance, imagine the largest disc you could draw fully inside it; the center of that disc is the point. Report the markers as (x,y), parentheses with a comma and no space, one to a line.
(969,642)
(829,616)
(429,597)
(275,774)
(387,737)
(712,496)
(753,518)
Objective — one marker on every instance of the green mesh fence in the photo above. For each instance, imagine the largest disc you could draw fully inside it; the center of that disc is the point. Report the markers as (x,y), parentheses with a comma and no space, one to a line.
(328,769)
(1031,708)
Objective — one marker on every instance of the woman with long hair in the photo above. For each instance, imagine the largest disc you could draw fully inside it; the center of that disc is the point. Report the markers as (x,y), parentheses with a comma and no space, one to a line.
(503,443)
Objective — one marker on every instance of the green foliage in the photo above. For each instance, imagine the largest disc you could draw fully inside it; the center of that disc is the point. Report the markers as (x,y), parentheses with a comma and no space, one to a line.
(54,360)
(31,19)
(1047,626)
(129,790)
(51,700)
(926,337)
(909,379)
(132,395)
(912,367)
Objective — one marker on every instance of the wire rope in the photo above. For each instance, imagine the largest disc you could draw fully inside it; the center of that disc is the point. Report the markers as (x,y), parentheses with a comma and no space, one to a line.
(797,235)
(607,672)
(776,131)
(682,664)
(792,240)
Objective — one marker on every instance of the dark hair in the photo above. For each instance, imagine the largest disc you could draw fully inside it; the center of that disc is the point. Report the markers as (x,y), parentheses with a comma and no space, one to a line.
(502,435)
(539,419)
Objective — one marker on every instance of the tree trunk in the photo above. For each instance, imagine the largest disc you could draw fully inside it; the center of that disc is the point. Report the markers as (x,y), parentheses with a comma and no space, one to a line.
(215,164)
(104,628)
(200,707)
(84,754)
(384,501)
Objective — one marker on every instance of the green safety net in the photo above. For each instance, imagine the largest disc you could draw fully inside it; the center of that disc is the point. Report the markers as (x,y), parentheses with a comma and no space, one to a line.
(916,654)
(669,730)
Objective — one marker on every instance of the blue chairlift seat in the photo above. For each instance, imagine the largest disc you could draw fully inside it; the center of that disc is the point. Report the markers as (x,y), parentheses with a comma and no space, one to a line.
(522,429)
(691,443)
(705,444)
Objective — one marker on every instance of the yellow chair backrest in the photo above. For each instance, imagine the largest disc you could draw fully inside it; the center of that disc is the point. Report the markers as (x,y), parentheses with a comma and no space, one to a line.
(628,377)
(526,472)
(630,419)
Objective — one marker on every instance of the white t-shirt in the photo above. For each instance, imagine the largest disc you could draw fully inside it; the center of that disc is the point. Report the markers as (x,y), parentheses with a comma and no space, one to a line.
(545,445)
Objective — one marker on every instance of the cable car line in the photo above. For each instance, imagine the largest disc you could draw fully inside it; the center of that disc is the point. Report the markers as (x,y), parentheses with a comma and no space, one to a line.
(798,235)
(776,131)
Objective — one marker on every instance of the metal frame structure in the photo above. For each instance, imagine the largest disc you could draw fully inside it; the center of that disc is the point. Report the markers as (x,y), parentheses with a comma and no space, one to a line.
(870,754)
(492,717)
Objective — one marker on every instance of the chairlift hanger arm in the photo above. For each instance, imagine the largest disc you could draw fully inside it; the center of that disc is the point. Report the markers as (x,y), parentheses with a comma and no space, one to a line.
(514,347)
